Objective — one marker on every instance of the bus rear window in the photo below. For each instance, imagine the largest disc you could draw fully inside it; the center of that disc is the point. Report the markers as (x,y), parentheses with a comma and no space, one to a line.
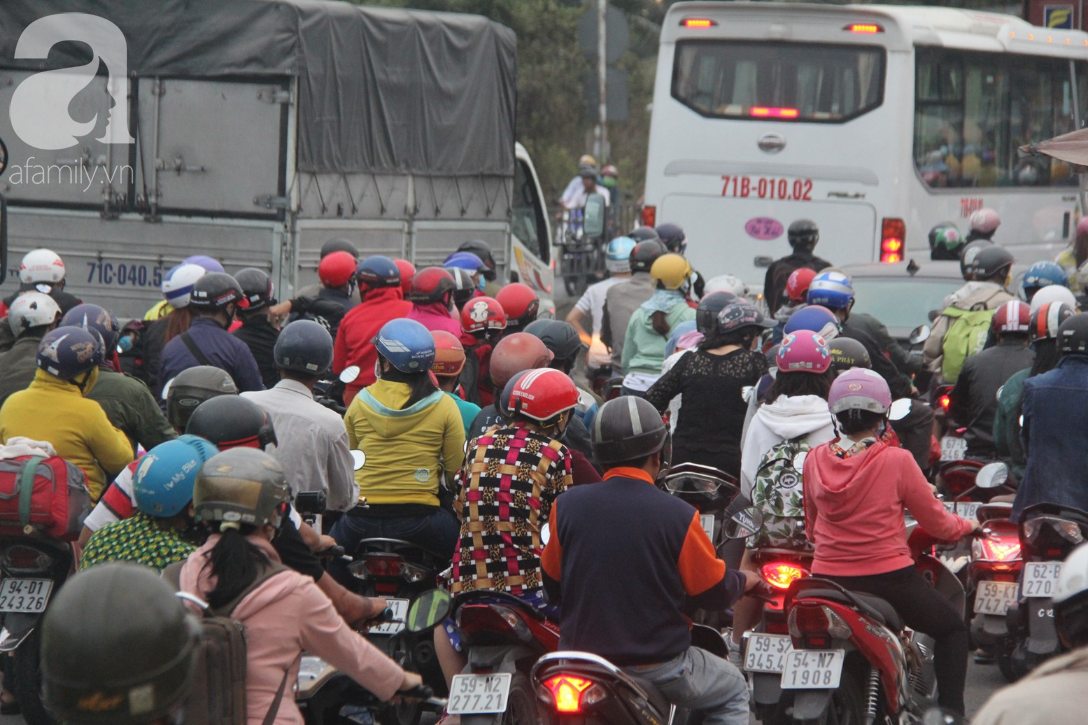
(778,81)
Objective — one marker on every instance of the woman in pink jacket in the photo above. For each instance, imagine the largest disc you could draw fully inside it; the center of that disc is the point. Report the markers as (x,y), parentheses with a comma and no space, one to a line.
(242,494)
(856,492)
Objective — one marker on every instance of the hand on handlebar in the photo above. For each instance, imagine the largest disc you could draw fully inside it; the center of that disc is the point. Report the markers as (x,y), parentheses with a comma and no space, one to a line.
(412,688)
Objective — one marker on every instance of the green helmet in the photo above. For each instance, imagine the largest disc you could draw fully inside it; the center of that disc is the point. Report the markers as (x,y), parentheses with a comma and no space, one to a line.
(945,242)
(117,648)
(241,486)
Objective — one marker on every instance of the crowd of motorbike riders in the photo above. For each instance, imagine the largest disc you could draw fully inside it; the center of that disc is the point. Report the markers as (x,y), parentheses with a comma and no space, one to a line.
(197,427)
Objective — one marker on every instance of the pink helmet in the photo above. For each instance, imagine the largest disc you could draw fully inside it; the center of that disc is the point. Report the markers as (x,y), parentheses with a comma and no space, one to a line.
(859,389)
(1082,226)
(985,221)
(803,352)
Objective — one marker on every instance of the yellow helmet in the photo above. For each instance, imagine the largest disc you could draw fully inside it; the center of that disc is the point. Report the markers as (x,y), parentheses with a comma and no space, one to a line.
(670,271)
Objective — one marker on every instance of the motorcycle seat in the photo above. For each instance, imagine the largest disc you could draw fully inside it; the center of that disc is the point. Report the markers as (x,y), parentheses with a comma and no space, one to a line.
(875,607)
(657,700)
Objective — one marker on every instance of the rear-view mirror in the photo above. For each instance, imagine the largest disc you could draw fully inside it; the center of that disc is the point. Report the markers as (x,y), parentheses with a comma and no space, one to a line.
(428,610)
(3,157)
(992,475)
(900,409)
(358,459)
(919,334)
(744,523)
(350,374)
(593,221)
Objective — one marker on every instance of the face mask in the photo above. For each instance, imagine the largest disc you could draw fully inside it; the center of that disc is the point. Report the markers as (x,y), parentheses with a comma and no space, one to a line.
(480,284)
(377,370)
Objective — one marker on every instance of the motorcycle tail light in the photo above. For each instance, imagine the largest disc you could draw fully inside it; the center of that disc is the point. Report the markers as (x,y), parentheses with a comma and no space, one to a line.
(569,693)
(780,574)
(479,620)
(413,573)
(806,620)
(1068,530)
(383,564)
(25,559)
(995,549)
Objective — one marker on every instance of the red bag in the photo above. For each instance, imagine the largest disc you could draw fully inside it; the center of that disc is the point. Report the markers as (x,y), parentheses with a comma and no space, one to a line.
(49,495)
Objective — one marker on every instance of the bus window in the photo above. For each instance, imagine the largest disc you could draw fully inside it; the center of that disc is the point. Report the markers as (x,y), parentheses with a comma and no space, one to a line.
(528,219)
(780,81)
(973,111)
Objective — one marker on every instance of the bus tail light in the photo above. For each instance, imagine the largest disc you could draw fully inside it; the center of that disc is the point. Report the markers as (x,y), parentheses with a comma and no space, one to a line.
(698,23)
(892,234)
(764,112)
(649,216)
(867,28)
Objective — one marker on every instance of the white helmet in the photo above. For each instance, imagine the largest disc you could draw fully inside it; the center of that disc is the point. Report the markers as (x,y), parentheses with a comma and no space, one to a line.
(41,266)
(1054,293)
(1073,581)
(32,309)
(726,283)
(178,284)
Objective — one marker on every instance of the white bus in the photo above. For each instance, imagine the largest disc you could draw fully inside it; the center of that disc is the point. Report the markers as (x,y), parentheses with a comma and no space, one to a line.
(876,122)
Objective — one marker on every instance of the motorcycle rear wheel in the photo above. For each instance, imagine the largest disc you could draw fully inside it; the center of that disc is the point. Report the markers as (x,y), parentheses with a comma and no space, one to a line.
(521,705)
(27,674)
(847,705)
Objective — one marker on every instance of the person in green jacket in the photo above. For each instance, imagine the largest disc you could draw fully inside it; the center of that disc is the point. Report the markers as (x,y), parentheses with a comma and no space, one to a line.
(449,361)
(128,402)
(653,322)
(31,316)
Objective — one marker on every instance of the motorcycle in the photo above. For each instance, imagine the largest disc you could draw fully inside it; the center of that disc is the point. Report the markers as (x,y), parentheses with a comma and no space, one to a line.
(588,689)
(853,658)
(579,238)
(1048,532)
(326,696)
(34,567)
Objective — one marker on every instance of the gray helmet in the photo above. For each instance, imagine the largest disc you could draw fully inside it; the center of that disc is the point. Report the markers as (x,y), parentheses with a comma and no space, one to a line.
(991,260)
(117,648)
(257,287)
(558,336)
(627,429)
(215,290)
(803,233)
(304,346)
(338,245)
(241,486)
(192,387)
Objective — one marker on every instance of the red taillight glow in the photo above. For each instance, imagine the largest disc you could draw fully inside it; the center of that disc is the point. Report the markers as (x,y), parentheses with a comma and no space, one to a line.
(999,549)
(649,216)
(781,574)
(944,401)
(868,28)
(567,692)
(764,112)
(892,234)
(382,564)
(698,23)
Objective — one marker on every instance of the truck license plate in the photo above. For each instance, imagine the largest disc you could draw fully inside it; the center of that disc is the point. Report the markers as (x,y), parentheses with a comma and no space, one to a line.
(807,669)
(479,694)
(767,652)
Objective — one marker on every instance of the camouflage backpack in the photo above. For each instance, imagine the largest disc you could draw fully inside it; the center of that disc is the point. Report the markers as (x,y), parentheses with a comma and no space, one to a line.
(777,491)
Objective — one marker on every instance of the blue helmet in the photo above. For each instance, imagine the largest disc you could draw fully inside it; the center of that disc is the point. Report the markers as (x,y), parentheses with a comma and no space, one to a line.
(465,260)
(164,478)
(832,290)
(1042,274)
(93,317)
(617,257)
(378,271)
(202,260)
(813,318)
(304,346)
(407,345)
(68,352)
(673,237)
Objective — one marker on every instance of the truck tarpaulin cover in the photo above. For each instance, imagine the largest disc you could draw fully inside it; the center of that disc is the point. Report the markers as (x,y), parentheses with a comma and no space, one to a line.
(381,90)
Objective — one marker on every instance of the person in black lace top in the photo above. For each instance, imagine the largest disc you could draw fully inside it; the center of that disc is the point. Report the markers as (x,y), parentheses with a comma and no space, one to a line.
(711,379)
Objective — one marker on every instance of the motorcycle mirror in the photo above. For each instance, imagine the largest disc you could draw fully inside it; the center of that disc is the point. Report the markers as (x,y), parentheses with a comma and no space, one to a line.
(593,216)
(799,461)
(166,388)
(358,460)
(428,610)
(545,534)
(743,523)
(746,393)
(919,334)
(3,157)
(349,374)
(900,409)
(1021,421)
(999,391)
(992,475)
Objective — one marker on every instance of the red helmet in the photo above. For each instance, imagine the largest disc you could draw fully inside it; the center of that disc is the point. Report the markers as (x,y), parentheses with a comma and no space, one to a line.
(482,314)
(449,354)
(543,394)
(797,284)
(407,272)
(520,303)
(337,269)
(432,284)
(1013,316)
(515,353)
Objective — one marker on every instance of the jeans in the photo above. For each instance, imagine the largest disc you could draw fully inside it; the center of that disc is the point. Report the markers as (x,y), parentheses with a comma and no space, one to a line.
(437,532)
(924,610)
(697,680)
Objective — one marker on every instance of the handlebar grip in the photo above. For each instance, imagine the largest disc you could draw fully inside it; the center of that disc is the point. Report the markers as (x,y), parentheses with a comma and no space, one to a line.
(386,615)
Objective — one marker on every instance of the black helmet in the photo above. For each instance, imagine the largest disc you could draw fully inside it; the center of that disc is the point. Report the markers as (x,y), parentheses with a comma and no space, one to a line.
(338,245)
(645,254)
(848,353)
(1073,335)
(969,257)
(304,346)
(256,286)
(241,486)
(803,233)
(230,421)
(558,336)
(628,429)
(482,250)
(990,261)
(642,234)
(215,290)
(193,386)
(672,235)
(117,648)
(706,315)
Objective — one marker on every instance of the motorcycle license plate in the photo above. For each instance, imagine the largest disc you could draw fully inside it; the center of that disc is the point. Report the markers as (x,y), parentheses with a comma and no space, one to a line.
(479,694)
(400,612)
(28,596)
(767,652)
(953,448)
(995,597)
(707,522)
(965,509)
(1040,577)
(809,669)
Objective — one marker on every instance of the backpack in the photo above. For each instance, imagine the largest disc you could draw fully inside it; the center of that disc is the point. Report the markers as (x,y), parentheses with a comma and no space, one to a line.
(965,337)
(218,692)
(778,491)
(47,494)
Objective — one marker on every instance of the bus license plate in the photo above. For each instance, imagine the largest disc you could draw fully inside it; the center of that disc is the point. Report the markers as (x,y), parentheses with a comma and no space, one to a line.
(479,694)
(1040,578)
(953,448)
(400,613)
(808,669)
(28,596)
(767,652)
(765,187)
(995,597)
